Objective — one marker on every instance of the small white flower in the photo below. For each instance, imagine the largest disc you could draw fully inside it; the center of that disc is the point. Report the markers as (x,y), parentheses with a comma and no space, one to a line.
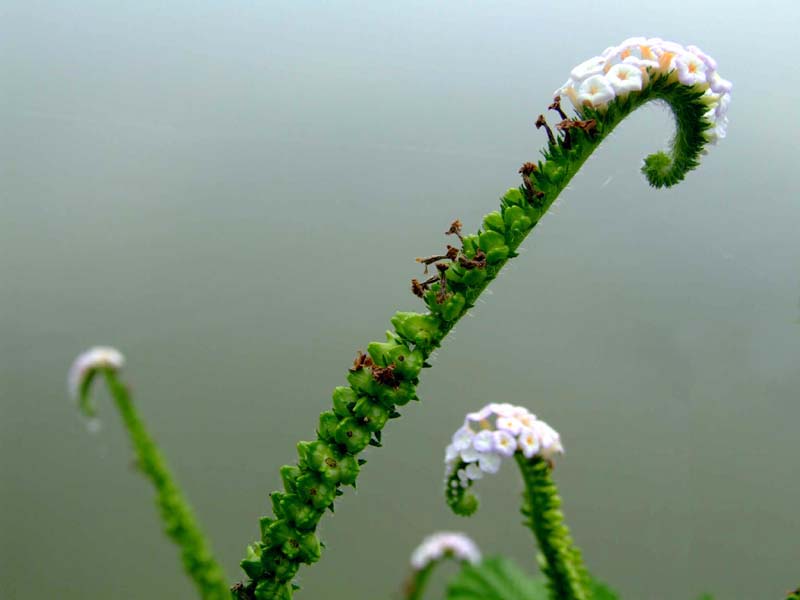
(595,91)
(549,440)
(450,453)
(478,416)
(469,455)
(473,471)
(509,424)
(624,78)
(462,439)
(439,545)
(503,409)
(529,443)
(99,357)
(489,463)
(505,443)
(527,420)
(691,70)
(711,64)
(588,68)
(720,85)
(484,441)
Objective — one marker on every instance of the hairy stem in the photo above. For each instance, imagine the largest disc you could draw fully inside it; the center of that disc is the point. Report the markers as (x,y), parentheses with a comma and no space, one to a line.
(179,522)
(560,560)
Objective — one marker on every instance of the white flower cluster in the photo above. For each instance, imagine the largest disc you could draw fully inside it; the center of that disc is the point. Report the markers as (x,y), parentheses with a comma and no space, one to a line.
(445,543)
(99,357)
(494,432)
(624,68)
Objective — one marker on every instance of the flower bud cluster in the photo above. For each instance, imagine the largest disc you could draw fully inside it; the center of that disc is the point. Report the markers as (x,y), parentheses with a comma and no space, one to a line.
(632,65)
(478,447)
(442,545)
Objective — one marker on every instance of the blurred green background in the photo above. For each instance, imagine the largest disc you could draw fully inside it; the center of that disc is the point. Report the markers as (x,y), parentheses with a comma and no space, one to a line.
(233,194)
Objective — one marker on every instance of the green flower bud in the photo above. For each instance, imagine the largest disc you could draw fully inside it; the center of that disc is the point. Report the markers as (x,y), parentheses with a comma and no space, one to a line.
(252,561)
(279,565)
(421,330)
(401,395)
(328,422)
(454,306)
(373,415)
(312,489)
(343,397)
(319,455)
(494,222)
(275,498)
(352,435)
(512,215)
(303,452)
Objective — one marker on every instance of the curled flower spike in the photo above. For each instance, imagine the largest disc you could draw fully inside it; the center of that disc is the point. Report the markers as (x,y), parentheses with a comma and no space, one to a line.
(85,367)
(445,544)
(478,447)
(634,64)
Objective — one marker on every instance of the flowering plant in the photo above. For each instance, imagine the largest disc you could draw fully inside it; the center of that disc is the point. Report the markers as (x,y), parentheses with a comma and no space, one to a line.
(603,91)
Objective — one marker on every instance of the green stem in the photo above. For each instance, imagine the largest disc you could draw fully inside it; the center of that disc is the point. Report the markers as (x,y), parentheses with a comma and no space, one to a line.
(560,559)
(419,579)
(361,410)
(179,522)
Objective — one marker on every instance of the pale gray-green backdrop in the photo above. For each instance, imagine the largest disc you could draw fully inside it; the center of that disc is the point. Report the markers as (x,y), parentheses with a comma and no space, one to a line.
(233,194)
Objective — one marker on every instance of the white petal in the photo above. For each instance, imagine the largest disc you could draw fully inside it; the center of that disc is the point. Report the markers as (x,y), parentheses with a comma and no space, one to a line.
(489,463)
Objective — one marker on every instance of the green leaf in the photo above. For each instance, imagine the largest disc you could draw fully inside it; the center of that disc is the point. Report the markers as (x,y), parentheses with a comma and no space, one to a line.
(499,578)
(495,578)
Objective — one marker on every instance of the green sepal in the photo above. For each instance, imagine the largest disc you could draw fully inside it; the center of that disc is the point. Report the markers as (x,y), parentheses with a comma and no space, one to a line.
(289,475)
(470,245)
(251,564)
(310,549)
(302,515)
(278,532)
(513,197)
(271,590)
(474,277)
(343,398)
(352,435)
(453,307)
(372,414)
(420,329)
(363,382)
(328,422)
(263,526)
(407,363)
(494,245)
(312,489)
(279,565)
(400,395)
(494,222)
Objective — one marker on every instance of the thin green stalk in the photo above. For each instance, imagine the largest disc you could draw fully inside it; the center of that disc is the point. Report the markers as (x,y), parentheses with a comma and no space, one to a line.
(179,522)
(560,560)
(415,587)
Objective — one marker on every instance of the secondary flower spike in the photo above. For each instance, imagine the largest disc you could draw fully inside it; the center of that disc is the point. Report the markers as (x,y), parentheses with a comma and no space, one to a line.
(635,63)
(489,435)
(87,364)
(442,545)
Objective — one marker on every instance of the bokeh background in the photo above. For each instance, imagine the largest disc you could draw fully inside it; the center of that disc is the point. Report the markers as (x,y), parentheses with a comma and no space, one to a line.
(233,194)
